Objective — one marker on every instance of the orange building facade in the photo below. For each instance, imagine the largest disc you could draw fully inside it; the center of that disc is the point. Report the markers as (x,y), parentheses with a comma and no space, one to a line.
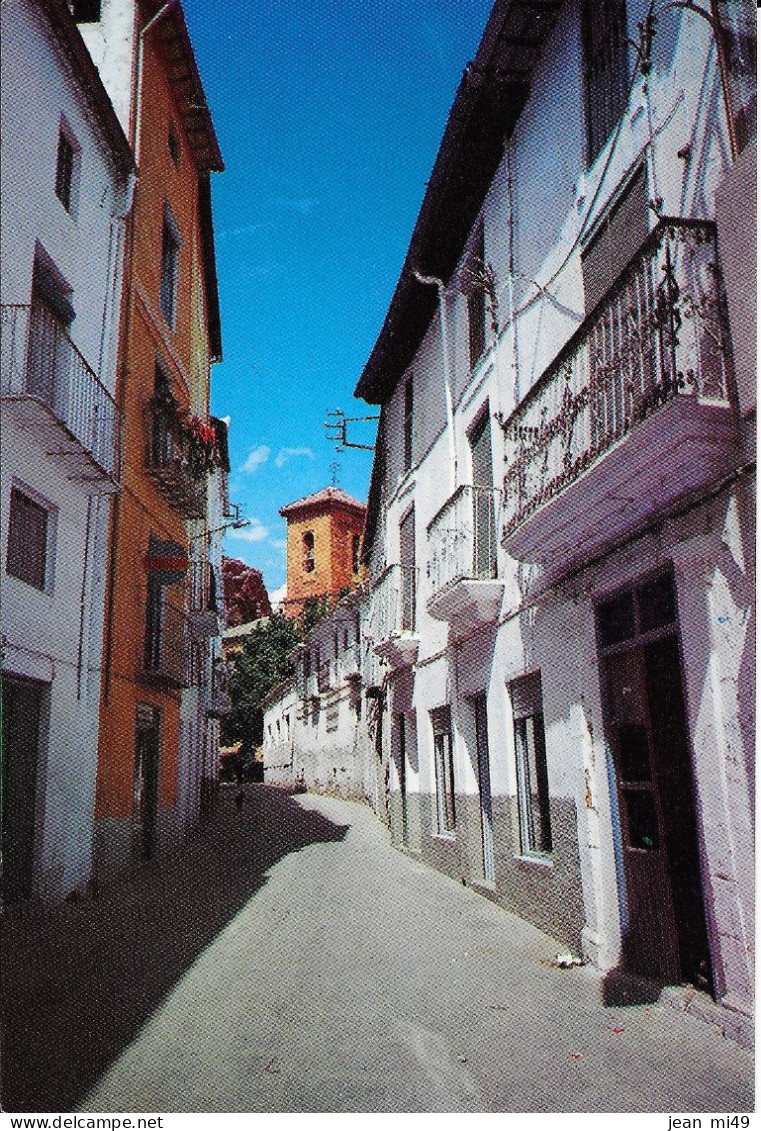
(158,582)
(324,540)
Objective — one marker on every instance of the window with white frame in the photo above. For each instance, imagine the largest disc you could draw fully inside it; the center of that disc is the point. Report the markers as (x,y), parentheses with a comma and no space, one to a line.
(441,721)
(531,766)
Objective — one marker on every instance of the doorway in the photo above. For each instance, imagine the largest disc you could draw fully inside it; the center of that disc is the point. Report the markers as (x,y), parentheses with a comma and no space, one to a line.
(403,773)
(145,794)
(484,787)
(664,932)
(22,710)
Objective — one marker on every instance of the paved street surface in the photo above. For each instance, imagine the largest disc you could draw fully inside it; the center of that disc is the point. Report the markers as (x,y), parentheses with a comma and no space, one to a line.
(290,960)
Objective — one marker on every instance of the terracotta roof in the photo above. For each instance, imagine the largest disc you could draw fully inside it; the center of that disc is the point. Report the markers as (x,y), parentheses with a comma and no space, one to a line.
(326,495)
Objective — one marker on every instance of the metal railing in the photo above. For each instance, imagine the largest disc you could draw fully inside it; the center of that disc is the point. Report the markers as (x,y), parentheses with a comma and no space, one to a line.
(38,359)
(201,588)
(167,460)
(462,537)
(165,655)
(219,702)
(394,602)
(658,334)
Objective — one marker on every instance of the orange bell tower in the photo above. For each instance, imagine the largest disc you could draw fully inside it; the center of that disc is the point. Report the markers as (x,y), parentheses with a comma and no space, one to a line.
(324,537)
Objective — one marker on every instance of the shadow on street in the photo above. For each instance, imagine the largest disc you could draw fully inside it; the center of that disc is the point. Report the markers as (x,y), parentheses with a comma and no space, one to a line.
(78,980)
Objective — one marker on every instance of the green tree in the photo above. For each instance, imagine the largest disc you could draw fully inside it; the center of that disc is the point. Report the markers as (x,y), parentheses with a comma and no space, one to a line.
(263,663)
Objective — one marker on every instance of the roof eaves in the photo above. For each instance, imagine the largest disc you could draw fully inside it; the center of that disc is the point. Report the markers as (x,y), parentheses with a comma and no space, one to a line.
(69,37)
(489,100)
(182,69)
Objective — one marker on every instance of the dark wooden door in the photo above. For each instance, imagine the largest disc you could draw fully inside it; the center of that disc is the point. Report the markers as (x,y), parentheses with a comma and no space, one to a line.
(22,715)
(403,773)
(484,787)
(664,934)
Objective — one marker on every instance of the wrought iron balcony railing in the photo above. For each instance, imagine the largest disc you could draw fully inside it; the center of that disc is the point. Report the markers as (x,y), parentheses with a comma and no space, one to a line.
(39,360)
(167,457)
(462,538)
(201,599)
(394,602)
(657,336)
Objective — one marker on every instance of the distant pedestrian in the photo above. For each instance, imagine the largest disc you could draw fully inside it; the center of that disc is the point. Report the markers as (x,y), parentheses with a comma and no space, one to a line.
(240,799)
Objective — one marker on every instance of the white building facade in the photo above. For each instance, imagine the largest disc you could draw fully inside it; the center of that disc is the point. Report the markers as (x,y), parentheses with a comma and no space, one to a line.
(319,725)
(560,525)
(67,178)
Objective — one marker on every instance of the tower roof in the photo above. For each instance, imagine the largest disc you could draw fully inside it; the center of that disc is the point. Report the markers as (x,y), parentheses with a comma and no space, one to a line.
(323,498)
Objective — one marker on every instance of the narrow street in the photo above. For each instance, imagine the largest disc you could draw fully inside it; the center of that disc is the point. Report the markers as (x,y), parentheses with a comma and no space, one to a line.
(288,959)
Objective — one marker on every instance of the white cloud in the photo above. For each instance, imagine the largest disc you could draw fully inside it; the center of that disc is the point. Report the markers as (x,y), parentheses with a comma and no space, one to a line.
(291,453)
(279,543)
(256,531)
(278,595)
(302,206)
(256,457)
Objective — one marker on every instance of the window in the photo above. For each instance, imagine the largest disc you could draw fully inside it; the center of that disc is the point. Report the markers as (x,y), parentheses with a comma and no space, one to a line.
(170,269)
(444,764)
(27,540)
(477,301)
(86,11)
(355,544)
(154,626)
(64,173)
(173,144)
(48,374)
(531,764)
(308,541)
(606,69)
(408,410)
(163,420)
(616,241)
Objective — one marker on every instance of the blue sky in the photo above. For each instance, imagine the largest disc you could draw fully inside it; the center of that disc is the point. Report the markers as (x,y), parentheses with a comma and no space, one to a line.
(329,115)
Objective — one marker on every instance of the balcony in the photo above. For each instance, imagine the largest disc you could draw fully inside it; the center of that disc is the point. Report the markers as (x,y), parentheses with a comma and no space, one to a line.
(462,558)
(392,616)
(201,601)
(169,460)
(219,702)
(634,415)
(48,387)
(165,656)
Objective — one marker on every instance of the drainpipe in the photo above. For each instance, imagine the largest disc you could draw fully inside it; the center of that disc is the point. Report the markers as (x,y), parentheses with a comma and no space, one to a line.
(516,392)
(432,281)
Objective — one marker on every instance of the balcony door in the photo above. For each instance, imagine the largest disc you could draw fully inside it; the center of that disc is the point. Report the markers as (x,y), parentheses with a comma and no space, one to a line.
(484,525)
(407,579)
(664,933)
